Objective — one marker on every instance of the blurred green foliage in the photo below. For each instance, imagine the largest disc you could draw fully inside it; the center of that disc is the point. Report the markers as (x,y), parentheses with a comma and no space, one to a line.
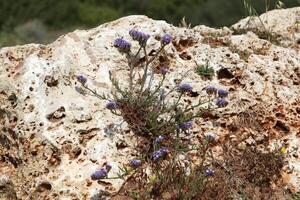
(65,15)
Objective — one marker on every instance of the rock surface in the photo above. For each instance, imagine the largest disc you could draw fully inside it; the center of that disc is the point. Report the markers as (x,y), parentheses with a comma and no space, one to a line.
(54,137)
(282,26)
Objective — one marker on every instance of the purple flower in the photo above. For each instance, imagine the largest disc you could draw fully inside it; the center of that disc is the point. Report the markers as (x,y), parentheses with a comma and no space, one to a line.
(159,139)
(139,36)
(135,163)
(159,154)
(221,102)
(185,87)
(211,90)
(100,174)
(122,45)
(166,39)
(222,93)
(108,167)
(156,155)
(81,79)
(208,172)
(111,105)
(186,125)
(164,70)
(164,150)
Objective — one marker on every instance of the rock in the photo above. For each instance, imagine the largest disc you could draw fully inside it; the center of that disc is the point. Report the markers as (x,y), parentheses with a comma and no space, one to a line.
(282,25)
(56,115)
(69,134)
(44,185)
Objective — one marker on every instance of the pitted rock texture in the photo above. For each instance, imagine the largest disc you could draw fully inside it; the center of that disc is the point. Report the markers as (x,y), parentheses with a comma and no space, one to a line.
(281,26)
(56,137)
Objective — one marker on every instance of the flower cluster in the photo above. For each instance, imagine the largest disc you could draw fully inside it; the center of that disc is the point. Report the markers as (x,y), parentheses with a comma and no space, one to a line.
(221,102)
(166,39)
(111,105)
(220,93)
(135,163)
(159,154)
(211,90)
(81,79)
(122,45)
(159,139)
(186,125)
(139,36)
(208,172)
(185,87)
(102,173)
(163,70)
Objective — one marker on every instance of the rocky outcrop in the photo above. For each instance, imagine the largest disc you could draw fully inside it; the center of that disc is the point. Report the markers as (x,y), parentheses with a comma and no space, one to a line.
(280,26)
(53,137)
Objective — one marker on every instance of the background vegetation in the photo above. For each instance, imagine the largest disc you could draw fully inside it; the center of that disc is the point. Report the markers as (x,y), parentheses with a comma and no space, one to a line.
(41,21)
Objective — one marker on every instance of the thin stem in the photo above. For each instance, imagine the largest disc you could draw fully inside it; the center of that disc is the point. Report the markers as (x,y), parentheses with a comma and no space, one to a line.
(121,175)
(179,98)
(206,147)
(150,81)
(132,64)
(145,70)
(199,104)
(173,116)
(137,53)
(94,92)
(148,61)
(156,90)
(180,80)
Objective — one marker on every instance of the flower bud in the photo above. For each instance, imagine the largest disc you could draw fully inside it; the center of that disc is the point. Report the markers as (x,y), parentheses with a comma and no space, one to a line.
(166,39)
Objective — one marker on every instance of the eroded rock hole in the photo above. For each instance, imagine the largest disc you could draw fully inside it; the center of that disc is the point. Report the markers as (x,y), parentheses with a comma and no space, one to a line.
(224,73)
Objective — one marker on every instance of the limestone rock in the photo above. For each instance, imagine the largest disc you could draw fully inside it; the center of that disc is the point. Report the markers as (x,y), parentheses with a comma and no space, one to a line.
(68,135)
(281,25)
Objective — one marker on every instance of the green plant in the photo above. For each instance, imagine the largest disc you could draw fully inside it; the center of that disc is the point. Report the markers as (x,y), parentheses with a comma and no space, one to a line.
(151,113)
(248,170)
(164,165)
(142,104)
(183,23)
(205,71)
(167,165)
(295,196)
(169,174)
(251,11)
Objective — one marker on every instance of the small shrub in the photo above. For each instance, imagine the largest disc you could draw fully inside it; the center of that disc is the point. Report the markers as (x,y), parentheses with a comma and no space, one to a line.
(143,105)
(205,71)
(166,167)
(246,173)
